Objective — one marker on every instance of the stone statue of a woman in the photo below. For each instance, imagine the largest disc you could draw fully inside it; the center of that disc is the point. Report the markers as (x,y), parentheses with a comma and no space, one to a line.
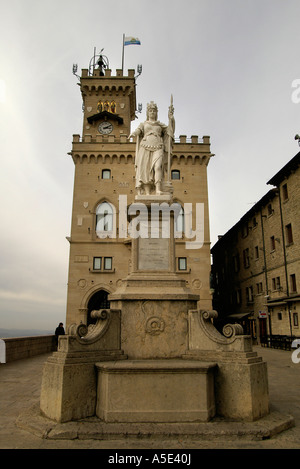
(154,143)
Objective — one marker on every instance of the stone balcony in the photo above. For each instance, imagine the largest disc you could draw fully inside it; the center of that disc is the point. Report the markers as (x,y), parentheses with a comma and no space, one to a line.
(17,348)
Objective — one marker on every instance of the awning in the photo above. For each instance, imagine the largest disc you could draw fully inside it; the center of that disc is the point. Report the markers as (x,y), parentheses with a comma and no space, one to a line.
(104,115)
(291,299)
(283,301)
(276,303)
(238,315)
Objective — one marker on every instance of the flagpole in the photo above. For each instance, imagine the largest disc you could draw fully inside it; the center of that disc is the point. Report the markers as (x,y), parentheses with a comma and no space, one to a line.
(123,55)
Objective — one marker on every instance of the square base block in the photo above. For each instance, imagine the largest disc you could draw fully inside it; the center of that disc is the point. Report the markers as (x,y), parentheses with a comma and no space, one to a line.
(155,391)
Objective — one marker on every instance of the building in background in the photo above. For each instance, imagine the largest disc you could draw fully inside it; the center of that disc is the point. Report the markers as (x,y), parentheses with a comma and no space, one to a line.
(256,264)
(103,156)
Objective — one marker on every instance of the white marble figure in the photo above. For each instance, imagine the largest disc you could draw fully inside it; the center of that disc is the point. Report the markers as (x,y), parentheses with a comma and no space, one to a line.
(154,144)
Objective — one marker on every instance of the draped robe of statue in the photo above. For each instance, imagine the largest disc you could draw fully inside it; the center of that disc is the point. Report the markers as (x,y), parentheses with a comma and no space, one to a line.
(151,158)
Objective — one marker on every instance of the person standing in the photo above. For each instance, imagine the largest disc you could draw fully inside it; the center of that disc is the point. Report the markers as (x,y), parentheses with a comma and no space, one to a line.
(59,331)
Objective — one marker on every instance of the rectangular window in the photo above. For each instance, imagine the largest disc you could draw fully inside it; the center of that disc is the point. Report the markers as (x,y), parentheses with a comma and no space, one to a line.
(279,316)
(175,174)
(97,263)
(259,287)
(245,230)
(256,252)
(270,210)
(102,263)
(295,319)
(289,234)
(246,258)
(272,243)
(293,283)
(249,294)
(182,263)
(107,263)
(236,263)
(106,173)
(276,283)
(285,194)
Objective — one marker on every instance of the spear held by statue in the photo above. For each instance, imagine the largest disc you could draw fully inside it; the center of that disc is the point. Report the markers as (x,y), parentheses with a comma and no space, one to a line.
(171,130)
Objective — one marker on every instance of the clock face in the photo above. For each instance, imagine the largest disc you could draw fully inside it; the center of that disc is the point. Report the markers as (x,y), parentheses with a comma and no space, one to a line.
(105,128)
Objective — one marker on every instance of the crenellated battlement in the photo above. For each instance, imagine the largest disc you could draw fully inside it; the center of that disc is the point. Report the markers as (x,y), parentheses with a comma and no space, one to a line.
(96,83)
(182,139)
(107,74)
(193,150)
(194,139)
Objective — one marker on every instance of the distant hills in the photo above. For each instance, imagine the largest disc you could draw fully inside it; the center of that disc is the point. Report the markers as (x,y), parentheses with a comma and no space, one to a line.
(5,333)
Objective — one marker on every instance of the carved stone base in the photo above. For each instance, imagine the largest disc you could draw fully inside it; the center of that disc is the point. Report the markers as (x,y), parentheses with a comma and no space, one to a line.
(155,391)
(180,368)
(154,328)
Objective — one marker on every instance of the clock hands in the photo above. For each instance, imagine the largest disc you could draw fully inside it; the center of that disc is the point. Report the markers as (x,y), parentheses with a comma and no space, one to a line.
(105,127)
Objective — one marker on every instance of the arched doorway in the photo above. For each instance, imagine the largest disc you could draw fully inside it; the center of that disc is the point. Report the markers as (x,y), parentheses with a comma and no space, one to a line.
(97,301)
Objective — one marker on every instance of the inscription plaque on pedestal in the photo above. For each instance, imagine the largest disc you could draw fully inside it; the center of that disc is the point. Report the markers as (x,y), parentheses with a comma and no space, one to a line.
(153,254)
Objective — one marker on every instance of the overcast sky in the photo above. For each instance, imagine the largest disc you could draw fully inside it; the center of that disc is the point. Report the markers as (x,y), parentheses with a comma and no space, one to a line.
(230,65)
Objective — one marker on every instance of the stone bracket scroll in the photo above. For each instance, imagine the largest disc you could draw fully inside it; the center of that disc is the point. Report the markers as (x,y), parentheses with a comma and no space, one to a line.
(204,336)
(87,335)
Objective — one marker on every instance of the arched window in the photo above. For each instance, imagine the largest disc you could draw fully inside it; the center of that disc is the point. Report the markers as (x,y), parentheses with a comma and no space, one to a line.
(106,174)
(97,301)
(105,220)
(175,174)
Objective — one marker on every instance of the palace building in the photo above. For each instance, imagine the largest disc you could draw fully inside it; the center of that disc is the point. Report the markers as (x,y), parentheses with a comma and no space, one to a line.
(104,184)
(256,264)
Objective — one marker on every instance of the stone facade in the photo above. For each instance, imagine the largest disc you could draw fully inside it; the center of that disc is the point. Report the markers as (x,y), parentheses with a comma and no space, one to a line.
(256,266)
(104,171)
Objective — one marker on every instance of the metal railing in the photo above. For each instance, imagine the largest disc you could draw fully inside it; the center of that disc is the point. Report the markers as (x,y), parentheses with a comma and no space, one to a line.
(283,342)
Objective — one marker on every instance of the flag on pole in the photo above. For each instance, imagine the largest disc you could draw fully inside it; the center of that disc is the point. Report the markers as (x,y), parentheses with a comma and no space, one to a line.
(129,40)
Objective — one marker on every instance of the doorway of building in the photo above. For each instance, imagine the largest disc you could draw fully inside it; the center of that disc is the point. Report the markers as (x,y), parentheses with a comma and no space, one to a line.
(97,301)
(262,329)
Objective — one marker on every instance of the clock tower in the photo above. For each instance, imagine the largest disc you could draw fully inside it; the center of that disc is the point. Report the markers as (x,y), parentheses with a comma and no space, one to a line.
(104,182)
(104,168)
(109,102)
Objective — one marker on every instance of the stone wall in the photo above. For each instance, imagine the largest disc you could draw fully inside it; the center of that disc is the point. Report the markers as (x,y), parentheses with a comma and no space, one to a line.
(16,348)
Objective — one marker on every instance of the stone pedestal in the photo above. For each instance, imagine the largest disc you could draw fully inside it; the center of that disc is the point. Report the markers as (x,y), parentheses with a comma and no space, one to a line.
(155,391)
(154,357)
(154,300)
(154,328)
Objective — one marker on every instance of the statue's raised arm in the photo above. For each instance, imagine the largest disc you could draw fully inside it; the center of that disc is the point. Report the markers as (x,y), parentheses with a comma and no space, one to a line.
(171,126)
(170,141)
